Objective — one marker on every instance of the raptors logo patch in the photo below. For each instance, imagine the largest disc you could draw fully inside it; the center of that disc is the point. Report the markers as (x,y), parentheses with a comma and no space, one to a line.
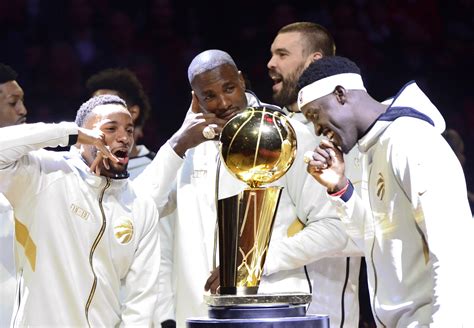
(123,230)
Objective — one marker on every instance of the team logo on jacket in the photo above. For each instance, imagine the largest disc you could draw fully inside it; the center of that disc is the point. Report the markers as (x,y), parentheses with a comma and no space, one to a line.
(380,186)
(123,230)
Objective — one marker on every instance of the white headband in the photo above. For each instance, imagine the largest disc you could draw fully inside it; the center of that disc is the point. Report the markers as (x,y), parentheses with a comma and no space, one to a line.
(323,87)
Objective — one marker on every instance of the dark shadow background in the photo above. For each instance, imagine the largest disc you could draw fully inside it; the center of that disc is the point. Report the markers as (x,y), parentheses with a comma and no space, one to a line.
(56,45)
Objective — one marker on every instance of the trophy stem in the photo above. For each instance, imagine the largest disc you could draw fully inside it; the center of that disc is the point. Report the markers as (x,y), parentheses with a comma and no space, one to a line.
(245,225)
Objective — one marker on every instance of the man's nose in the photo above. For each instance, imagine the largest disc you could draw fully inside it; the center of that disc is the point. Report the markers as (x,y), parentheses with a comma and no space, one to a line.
(124,136)
(225,102)
(20,108)
(271,63)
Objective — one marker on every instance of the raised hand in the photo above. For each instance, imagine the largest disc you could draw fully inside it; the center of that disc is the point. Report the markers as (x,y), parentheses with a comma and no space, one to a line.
(96,138)
(326,165)
(190,134)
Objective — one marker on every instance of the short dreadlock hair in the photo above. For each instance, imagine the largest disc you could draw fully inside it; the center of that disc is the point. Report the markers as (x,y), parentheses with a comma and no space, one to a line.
(86,108)
(326,66)
(128,87)
(7,74)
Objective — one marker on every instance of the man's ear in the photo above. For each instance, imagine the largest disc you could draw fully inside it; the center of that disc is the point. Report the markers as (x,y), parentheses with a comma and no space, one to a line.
(242,81)
(134,111)
(341,94)
(312,58)
(316,56)
(195,108)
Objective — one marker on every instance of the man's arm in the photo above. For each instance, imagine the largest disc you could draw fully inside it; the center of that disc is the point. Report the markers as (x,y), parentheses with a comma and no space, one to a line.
(18,168)
(323,234)
(159,177)
(18,140)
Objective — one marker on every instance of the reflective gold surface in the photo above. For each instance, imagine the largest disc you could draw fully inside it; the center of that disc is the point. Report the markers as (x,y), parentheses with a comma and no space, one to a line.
(258,146)
(259,207)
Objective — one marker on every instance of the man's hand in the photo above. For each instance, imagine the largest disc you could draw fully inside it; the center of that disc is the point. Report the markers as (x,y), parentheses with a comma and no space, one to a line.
(190,133)
(327,166)
(213,282)
(96,138)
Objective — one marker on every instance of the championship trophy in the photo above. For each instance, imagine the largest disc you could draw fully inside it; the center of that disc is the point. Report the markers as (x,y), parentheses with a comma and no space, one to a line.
(258,146)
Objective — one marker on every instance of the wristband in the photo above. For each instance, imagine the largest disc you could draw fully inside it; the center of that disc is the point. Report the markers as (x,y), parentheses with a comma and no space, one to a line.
(340,192)
(72,139)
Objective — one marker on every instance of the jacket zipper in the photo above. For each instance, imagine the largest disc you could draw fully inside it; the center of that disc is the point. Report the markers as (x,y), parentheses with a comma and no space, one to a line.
(94,246)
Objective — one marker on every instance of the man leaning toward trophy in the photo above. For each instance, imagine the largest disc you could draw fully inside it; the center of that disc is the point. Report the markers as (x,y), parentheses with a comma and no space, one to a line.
(182,177)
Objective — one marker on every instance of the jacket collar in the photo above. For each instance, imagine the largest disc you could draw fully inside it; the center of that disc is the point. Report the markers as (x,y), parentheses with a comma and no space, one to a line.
(409,102)
(76,160)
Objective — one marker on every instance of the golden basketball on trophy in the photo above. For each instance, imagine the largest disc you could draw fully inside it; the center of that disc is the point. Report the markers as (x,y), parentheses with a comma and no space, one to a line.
(258,146)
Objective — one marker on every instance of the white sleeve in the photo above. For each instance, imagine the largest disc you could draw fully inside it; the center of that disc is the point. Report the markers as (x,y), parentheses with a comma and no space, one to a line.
(18,140)
(323,234)
(354,214)
(165,309)
(20,167)
(141,283)
(159,177)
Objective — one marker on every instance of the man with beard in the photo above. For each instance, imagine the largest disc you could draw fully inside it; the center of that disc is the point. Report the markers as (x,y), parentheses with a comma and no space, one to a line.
(183,176)
(80,227)
(12,112)
(294,48)
(124,83)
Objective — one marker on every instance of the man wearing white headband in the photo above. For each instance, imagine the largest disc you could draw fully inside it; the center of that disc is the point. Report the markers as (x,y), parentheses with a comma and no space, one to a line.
(412,220)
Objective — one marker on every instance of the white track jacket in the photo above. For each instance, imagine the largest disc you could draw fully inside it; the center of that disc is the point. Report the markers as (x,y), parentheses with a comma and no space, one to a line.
(193,196)
(77,235)
(413,219)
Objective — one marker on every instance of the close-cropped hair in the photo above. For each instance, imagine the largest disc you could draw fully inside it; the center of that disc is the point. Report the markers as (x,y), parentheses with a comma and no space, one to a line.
(128,87)
(326,66)
(7,73)
(208,60)
(86,108)
(317,37)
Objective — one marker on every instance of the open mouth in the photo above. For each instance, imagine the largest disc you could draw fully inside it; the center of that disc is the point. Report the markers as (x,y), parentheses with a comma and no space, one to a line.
(122,156)
(277,81)
(329,135)
(332,137)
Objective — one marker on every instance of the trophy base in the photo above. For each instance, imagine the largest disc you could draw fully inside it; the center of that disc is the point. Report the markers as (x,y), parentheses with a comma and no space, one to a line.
(256,311)
(260,299)
(283,310)
(309,321)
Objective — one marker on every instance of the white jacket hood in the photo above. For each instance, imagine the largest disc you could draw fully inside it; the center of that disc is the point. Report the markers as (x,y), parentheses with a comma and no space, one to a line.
(410,101)
(412,96)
